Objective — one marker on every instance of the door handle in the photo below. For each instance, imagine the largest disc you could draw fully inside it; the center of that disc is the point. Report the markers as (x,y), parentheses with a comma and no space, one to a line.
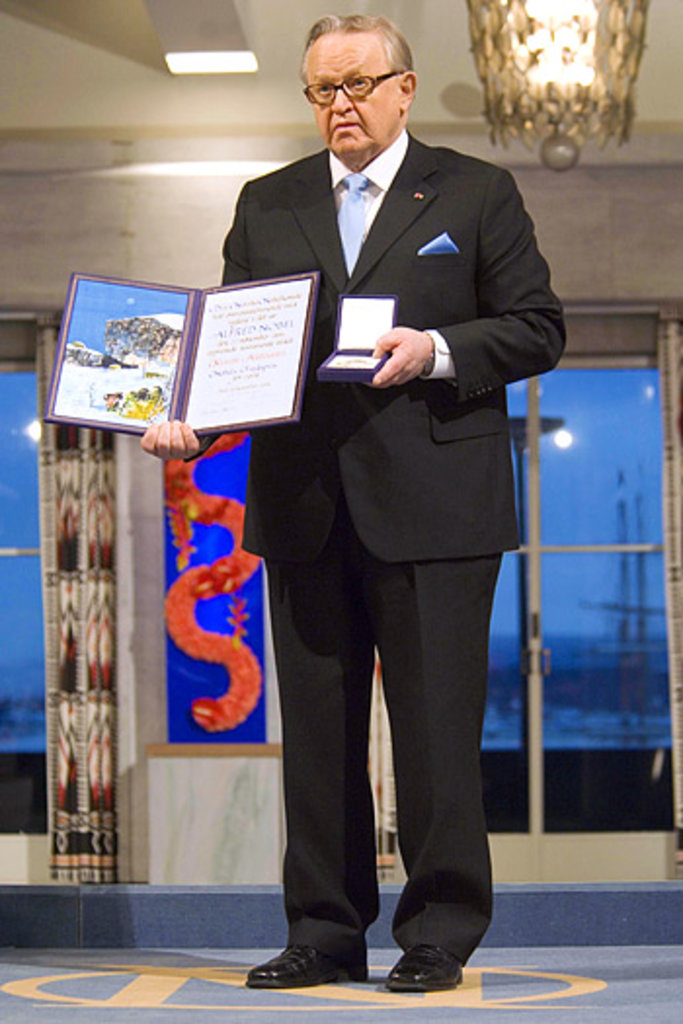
(544,661)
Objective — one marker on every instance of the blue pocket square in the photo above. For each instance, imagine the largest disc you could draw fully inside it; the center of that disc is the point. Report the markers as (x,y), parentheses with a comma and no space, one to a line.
(442,245)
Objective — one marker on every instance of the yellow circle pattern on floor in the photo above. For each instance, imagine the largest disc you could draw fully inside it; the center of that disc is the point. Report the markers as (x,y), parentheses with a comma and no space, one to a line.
(158,987)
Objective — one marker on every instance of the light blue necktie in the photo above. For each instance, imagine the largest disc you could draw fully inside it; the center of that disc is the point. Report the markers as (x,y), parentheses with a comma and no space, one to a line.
(352,218)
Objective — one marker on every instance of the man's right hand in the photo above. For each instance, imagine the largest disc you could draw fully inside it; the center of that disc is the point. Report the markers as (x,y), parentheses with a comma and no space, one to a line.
(173,440)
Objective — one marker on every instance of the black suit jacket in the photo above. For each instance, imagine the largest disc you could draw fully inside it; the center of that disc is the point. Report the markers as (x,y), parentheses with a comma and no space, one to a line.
(425,467)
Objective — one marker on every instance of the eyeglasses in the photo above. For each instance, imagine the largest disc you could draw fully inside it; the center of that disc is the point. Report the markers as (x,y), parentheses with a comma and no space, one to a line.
(356,87)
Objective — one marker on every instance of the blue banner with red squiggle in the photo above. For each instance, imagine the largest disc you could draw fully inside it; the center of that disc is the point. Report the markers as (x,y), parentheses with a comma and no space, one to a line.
(214,602)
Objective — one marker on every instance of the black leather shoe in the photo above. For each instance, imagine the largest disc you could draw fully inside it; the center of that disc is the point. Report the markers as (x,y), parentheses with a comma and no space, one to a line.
(300,966)
(425,969)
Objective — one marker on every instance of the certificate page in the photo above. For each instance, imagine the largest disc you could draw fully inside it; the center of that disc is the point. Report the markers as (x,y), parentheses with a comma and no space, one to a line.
(251,354)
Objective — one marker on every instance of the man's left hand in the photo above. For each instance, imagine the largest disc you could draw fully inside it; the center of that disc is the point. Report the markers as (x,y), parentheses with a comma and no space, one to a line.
(410,350)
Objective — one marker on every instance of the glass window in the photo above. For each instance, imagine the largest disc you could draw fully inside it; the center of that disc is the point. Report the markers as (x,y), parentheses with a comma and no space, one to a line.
(19,525)
(601,618)
(601,468)
(504,754)
(607,732)
(503,725)
(22,687)
(22,663)
(605,625)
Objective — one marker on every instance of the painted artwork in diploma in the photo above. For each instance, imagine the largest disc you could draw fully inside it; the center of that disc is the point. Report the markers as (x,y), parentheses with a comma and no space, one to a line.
(120,353)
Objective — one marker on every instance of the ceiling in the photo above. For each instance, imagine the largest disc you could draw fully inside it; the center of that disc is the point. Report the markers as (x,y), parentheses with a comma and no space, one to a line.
(94,70)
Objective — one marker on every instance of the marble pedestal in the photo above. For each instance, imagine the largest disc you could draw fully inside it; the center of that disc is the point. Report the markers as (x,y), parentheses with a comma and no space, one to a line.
(215,814)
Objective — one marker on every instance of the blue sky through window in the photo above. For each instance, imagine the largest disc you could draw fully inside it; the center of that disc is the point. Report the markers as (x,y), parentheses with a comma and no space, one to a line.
(603,613)
(22,714)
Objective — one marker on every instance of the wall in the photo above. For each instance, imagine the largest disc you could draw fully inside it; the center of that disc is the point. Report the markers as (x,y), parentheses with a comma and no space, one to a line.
(609,232)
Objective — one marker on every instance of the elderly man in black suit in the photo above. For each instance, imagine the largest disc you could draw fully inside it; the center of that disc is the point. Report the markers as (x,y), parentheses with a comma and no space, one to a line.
(383,513)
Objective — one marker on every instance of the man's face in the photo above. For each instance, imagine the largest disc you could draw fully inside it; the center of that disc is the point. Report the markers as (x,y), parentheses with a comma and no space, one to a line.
(358,130)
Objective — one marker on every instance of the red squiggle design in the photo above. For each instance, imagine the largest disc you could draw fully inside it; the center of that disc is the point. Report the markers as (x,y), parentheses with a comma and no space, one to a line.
(187,505)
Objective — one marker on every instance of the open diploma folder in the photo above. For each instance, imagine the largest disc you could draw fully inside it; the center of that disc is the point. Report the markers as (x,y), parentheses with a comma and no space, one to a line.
(130,354)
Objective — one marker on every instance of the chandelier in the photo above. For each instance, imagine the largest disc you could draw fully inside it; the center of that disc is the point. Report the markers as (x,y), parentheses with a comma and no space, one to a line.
(558,71)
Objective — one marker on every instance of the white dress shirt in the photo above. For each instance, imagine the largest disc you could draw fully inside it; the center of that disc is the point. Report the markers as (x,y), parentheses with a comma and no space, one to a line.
(381,172)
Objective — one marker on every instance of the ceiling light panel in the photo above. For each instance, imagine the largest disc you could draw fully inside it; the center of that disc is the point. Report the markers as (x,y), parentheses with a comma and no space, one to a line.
(202,36)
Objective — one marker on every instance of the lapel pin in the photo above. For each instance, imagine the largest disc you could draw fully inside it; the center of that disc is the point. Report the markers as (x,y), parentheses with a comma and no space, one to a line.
(418,195)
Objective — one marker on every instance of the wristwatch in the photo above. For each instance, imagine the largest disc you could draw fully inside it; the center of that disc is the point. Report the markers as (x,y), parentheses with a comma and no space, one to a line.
(429,365)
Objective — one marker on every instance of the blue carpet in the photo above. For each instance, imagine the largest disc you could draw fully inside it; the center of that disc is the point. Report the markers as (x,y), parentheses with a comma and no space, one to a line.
(143,916)
(124,954)
(624,985)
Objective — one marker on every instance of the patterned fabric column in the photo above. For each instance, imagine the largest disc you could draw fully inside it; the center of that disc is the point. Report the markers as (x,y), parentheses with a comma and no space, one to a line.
(670,356)
(77,481)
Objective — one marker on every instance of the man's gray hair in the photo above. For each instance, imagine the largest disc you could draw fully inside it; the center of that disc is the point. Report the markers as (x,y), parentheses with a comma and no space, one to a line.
(397,50)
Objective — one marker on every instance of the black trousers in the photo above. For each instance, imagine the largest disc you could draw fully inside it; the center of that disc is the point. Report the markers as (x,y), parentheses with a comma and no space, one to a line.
(430,623)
